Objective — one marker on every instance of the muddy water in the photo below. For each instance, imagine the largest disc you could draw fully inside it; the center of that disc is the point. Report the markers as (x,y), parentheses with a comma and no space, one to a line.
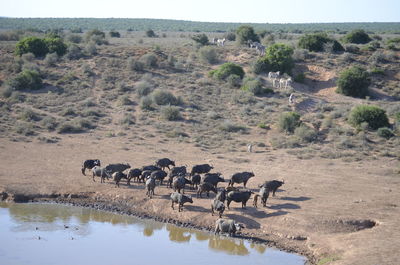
(58,234)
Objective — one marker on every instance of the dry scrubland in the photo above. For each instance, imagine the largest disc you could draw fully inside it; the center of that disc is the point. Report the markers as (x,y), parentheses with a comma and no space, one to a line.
(137,99)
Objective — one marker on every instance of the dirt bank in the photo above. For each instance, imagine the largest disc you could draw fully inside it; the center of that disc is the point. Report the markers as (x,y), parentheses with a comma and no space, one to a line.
(329,210)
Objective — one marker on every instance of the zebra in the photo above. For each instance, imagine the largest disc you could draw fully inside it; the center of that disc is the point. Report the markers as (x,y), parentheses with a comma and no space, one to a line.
(273,76)
(221,42)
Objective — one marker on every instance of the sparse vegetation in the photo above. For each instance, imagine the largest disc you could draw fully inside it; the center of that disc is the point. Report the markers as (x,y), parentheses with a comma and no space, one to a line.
(170,113)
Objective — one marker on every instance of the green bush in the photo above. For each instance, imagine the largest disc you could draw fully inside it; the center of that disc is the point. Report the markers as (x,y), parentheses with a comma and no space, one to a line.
(56,45)
(208,54)
(254,86)
(150,33)
(353,82)
(385,132)
(202,39)
(316,42)
(162,97)
(170,113)
(288,121)
(374,116)
(115,34)
(27,79)
(226,70)
(245,33)
(278,57)
(358,36)
(35,45)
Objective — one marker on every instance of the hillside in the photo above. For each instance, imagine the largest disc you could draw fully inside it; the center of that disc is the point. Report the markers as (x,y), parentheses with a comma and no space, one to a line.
(138,99)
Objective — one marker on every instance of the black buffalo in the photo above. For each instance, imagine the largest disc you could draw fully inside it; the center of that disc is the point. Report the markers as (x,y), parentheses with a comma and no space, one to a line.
(89,164)
(201,169)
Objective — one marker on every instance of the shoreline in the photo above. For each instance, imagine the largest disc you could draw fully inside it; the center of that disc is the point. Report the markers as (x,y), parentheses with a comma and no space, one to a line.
(118,208)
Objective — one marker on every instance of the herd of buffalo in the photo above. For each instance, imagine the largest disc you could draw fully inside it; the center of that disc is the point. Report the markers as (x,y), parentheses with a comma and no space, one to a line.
(198,178)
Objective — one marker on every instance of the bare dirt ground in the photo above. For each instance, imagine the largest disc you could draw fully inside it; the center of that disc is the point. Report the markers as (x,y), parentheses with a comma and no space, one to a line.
(331,211)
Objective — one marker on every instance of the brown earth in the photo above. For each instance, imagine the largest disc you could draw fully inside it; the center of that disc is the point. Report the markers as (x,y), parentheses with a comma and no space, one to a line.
(344,213)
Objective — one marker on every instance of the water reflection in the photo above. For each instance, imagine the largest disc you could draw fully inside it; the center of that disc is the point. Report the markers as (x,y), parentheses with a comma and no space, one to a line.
(40,218)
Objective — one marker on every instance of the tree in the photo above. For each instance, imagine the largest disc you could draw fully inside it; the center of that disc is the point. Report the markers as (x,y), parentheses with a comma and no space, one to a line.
(353,82)
(278,57)
(35,45)
(245,33)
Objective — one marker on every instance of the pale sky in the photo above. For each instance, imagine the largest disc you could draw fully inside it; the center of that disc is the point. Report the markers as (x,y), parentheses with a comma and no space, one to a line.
(254,11)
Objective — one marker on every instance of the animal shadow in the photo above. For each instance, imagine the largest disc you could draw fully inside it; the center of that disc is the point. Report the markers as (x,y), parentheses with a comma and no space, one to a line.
(277,213)
(196,208)
(249,223)
(296,199)
(285,206)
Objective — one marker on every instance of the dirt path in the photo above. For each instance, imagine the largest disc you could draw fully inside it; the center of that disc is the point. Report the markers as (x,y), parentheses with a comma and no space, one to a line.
(344,212)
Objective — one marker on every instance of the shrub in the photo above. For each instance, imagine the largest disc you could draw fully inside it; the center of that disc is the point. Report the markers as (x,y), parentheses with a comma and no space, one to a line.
(300,54)
(170,113)
(202,39)
(149,60)
(300,78)
(74,38)
(150,33)
(229,126)
(143,88)
(317,41)
(231,36)
(51,59)
(74,52)
(305,133)
(135,65)
(90,48)
(353,82)
(27,79)
(288,121)
(374,116)
(352,49)
(358,36)
(254,86)
(234,81)
(385,132)
(95,35)
(278,57)
(146,103)
(49,123)
(245,33)
(35,45)
(56,45)
(29,115)
(27,57)
(208,54)
(115,34)
(162,97)
(226,70)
